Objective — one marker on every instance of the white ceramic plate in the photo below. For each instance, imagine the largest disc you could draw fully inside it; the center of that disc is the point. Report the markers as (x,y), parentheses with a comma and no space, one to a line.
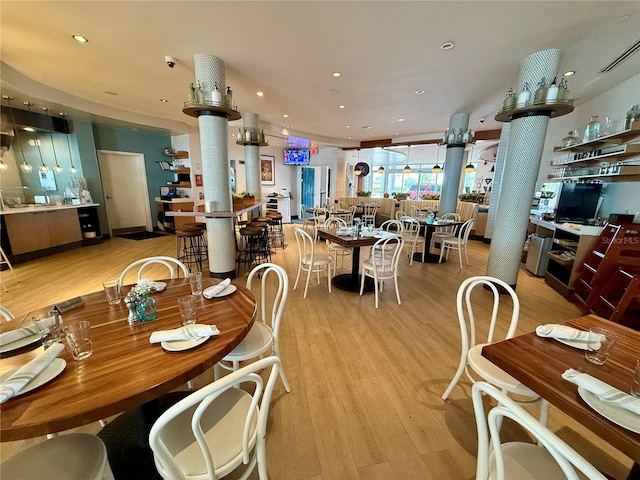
(227,291)
(182,345)
(573,343)
(23,342)
(619,416)
(52,370)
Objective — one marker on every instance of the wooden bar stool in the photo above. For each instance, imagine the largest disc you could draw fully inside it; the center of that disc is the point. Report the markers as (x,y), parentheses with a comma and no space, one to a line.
(254,246)
(277,233)
(201,247)
(188,249)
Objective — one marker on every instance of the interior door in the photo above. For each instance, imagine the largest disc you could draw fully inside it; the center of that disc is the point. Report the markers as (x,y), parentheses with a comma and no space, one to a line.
(308,186)
(124,181)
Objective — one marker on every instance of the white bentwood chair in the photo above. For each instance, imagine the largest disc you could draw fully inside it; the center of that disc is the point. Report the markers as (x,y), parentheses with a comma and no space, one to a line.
(307,220)
(471,358)
(320,216)
(72,456)
(457,242)
(369,214)
(310,261)
(412,238)
(6,314)
(171,263)
(334,249)
(264,334)
(550,458)
(218,428)
(383,267)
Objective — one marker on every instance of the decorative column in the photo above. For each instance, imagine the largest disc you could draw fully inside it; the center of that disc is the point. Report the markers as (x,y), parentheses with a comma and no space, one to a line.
(213,119)
(251,142)
(459,122)
(524,151)
(501,155)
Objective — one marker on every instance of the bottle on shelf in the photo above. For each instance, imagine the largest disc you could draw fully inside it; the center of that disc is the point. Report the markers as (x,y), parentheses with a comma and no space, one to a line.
(466,137)
(445,136)
(247,134)
(216,96)
(452,136)
(509,101)
(261,137)
(633,115)
(541,92)
(191,97)
(552,92)
(592,130)
(563,91)
(228,98)
(524,96)
(199,94)
(570,139)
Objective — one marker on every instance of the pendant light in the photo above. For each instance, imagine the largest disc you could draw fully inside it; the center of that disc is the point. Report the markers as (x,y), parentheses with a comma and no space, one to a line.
(24,166)
(407,168)
(72,169)
(43,168)
(57,169)
(356,169)
(381,168)
(470,168)
(437,168)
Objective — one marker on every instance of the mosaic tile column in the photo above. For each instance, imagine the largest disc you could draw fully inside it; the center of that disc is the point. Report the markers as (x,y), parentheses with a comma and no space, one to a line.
(501,155)
(453,167)
(252,158)
(522,163)
(215,170)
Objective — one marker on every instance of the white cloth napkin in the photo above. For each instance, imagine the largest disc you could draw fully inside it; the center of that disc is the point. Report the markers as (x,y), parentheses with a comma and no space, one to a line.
(211,292)
(20,333)
(605,392)
(28,372)
(564,332)
(188,332)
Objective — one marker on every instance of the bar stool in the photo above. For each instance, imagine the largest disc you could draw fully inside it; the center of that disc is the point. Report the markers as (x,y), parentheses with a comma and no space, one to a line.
(188,247)
(201,247)
(269,222)
(254,246)
(276,228)
(4,260)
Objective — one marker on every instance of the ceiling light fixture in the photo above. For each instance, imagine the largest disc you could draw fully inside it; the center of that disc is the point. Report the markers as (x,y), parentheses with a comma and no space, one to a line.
(72,169)
(419,92)
(348,126)
(407,168)
(57,169)
(24,166)
(164,100)
(356,170)
(401,119)
(568,73)
(336,74)
(447,46)
(284,115)
(341,106)
(80,38)
(43,168)
(437,168)
(367,127)
(470,168)
(381,170)
(260,94)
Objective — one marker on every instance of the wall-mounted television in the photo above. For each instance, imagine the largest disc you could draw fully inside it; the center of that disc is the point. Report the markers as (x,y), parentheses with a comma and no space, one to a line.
(578,202)
(296,157)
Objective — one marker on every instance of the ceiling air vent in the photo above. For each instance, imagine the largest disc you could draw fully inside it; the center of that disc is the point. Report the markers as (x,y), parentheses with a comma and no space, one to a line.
(630,50)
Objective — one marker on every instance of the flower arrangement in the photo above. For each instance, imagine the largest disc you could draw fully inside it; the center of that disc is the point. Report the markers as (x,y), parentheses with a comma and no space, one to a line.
(430,196)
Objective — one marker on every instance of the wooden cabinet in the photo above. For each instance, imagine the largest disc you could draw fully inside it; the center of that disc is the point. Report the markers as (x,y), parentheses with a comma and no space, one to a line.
(32,231)
(174,223)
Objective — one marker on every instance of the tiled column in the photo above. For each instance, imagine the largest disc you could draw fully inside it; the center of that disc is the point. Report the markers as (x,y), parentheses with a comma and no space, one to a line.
(453,167)
(522,163)
(252,157)
(215,170)
(501,155)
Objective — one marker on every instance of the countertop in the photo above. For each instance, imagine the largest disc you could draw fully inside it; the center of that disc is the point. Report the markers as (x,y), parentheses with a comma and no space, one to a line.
(579,230)
(37,208)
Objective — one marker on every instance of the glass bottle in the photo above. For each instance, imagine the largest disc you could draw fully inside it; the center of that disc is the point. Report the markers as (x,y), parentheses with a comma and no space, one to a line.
(552,93)
(199,95)
(570,139)
(592,130)
(524,96)
(633,115)
(146,309)
(541,92)
(562,90)
(509,101)
(445,137)
(191,97)
(228,98)
(216,96)
(452,136)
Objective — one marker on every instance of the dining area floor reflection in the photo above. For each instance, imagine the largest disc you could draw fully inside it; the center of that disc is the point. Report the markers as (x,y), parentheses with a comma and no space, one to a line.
(365,382)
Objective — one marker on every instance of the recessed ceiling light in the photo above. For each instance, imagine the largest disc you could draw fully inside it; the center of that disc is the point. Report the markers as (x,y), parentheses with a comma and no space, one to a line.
(29,129)
(349,138)
(260,94)
(447,46)
(285,115)
(80,38)
(111,93)
(336,74)
(367,127)
(401,119)
(568,73)
(348,126)
(341,106)
(419,92)
(164,100)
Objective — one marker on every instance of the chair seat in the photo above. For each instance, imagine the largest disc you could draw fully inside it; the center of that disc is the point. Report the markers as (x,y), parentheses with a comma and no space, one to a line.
(338,248)
(495,375)
(526,461)
(74,456)
(258,340)
(318,259)
(227,414)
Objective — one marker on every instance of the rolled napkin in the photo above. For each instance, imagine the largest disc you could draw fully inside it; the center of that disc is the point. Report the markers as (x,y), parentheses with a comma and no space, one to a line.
(28,372)
(566,333)
(20,333)
(605,392)
(188,332)
(211,292)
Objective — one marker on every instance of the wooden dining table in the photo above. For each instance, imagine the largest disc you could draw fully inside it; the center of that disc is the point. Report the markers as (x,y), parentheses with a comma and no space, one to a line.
(429,229)
(125,370)
(539,363)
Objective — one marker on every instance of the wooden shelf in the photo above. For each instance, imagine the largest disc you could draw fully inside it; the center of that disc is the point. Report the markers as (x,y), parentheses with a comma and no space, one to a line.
(179,155)
(626,136)
(551,110)
(219,110)
(629,150)
(257,144)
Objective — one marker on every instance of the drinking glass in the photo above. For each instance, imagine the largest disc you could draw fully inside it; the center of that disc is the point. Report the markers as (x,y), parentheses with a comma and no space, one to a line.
(187,306)
(599,345)
(49,331)
(112,291)
(195,280)
(78,337)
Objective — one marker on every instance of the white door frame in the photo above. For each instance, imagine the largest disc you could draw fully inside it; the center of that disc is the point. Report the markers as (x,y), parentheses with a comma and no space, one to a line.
(138,168)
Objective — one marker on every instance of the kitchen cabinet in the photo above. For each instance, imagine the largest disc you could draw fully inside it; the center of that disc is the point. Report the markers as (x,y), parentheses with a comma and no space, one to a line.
(614,157)
(32,231)
(281,204)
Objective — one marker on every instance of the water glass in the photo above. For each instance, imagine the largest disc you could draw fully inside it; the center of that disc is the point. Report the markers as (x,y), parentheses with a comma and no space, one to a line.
(112,291)
(78,338)
(49,331)
(635,385)
(187,306)
(599,345)
(195,280)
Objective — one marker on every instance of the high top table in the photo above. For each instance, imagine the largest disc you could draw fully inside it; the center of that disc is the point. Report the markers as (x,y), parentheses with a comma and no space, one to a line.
(125,370)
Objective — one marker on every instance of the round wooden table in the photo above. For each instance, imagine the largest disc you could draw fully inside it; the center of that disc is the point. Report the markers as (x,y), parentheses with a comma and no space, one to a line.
(125,370)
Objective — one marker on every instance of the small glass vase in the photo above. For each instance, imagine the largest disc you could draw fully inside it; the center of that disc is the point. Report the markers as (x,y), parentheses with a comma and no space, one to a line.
(146,309)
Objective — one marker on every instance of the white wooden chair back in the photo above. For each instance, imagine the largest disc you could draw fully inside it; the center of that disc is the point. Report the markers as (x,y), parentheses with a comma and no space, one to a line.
(174,266)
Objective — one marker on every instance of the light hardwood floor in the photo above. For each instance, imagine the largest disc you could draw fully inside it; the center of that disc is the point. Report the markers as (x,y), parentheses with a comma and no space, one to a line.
(366,382)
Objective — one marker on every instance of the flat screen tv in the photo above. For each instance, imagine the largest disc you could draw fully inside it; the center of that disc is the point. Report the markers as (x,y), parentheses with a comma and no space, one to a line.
(578,202)
(296,157)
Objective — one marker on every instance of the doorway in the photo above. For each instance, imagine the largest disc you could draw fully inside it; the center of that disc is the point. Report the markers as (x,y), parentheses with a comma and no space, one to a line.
(124,182)
(308,186)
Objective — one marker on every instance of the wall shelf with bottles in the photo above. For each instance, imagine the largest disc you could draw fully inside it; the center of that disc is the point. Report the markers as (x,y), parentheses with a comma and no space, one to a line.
(595,156)
(628,136)
(251,136)
(231,113)
(607,171)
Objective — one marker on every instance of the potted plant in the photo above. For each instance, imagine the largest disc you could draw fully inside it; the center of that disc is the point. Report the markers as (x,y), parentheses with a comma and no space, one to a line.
(362,193)
(385,195)
(238,201)
(249,199)
(472,197)
(400,195)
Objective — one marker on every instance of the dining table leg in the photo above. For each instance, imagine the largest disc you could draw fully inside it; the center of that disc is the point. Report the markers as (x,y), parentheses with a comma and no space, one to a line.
(351,281)
(428,256)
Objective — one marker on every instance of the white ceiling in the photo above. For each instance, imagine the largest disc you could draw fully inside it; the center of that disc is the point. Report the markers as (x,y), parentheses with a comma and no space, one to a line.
(385,50)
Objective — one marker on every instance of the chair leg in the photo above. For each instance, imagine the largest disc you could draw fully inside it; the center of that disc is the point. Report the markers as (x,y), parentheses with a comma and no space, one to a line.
(395,281)
(455,379)
(297,276)
(544,412)
(362,283)
(329,276)
(306,285)
(466,254)
(442,247)
(460,256)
